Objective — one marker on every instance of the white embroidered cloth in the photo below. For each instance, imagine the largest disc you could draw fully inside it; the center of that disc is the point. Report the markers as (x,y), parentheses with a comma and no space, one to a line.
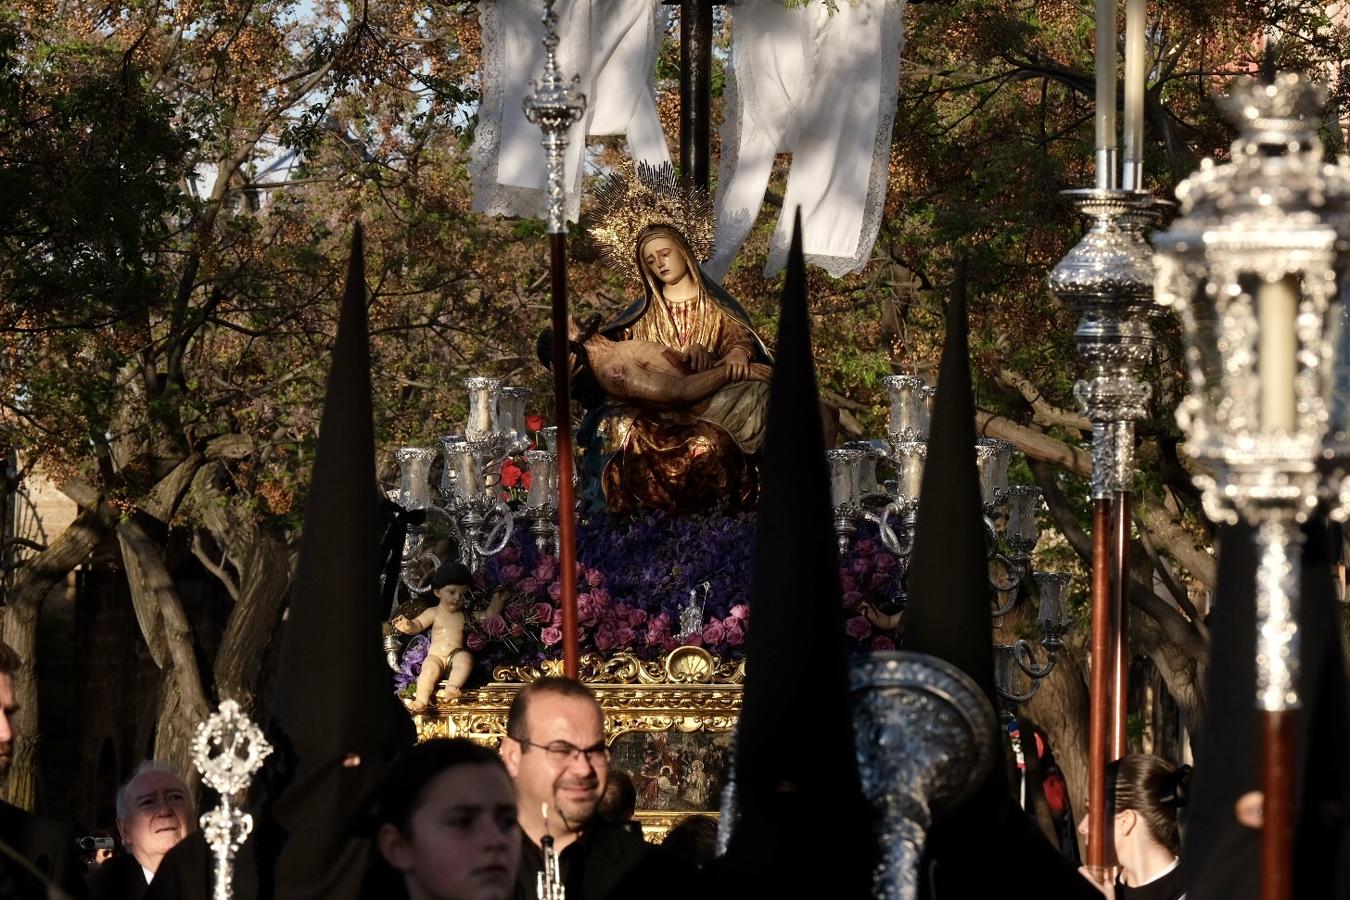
(823,87)
(611,45)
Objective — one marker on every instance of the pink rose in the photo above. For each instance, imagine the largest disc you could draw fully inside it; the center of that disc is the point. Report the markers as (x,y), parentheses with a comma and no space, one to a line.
(881,642)
(713,632)
(475,641)
(637,617)
(530,585)
(547,569)
(555,591)
(511,574)
(595,578)
(861,566)
(542,612)
(884,562)
(693,640)
(605,639)
(735,633)
(865,547)
(515,612)
(550,636)
(494,626)
(557,617)
(852,599)
(848,582)
(880,581)
(624,635)
(601,596)
(510,554)
(740,611)
(858,628)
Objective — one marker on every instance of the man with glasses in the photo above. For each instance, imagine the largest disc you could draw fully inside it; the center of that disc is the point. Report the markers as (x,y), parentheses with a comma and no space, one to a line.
(555,751)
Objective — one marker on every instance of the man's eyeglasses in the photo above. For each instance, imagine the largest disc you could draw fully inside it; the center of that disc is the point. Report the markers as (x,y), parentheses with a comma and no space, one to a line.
(563,753)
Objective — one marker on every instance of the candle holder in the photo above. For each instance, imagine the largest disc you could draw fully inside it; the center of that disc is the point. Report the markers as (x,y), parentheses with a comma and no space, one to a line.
(845,493)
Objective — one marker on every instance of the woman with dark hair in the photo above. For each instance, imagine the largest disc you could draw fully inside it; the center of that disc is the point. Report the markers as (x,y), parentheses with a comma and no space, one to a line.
(1145,796)
(446,817)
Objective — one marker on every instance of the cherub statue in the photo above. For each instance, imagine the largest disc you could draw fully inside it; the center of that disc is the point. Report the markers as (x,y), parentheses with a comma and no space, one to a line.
(447,655)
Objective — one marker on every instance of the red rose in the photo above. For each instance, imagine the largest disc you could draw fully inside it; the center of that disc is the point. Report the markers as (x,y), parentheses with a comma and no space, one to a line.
(535,423)
(510,474)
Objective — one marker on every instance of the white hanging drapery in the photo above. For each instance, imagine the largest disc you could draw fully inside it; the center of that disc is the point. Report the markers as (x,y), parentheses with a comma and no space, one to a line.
(821,85)
(611,45)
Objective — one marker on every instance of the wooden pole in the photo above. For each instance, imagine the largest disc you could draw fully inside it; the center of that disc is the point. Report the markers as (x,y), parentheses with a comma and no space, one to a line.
(696,40)
(1120,638)
(1277,785)
(1099,693)
(562,417)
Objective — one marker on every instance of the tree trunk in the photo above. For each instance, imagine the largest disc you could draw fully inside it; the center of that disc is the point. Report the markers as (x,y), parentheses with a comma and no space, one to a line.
(32,584)
(176,727)
(154,593)
(1061,708)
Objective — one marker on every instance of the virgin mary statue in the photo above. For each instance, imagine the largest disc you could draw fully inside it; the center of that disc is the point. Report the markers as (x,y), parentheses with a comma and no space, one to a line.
(700,455)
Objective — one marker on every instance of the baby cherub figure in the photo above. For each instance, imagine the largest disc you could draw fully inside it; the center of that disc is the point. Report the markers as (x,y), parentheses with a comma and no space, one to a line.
(447,655)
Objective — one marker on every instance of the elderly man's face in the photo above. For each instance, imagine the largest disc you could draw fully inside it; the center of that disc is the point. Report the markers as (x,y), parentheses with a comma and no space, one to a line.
(159,816)
(7,708)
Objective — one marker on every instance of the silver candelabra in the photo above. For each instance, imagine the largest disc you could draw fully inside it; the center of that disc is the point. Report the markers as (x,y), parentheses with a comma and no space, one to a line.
(858,493)
(470,503)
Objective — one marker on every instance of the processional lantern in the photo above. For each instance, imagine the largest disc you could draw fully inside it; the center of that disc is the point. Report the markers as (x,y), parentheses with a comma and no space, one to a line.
(1256,268)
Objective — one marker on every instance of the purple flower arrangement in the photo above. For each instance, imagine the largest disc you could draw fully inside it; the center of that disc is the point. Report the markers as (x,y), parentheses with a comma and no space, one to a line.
(634,579)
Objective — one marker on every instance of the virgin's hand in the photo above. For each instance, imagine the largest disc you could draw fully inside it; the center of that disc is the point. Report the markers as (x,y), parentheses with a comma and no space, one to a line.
(738,365)
(700,360)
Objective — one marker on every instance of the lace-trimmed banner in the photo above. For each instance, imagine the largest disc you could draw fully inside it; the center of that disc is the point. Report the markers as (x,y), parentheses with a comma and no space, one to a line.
(612,45)
(823,86)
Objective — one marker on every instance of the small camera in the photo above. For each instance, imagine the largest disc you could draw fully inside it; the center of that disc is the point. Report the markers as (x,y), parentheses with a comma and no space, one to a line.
(90,844)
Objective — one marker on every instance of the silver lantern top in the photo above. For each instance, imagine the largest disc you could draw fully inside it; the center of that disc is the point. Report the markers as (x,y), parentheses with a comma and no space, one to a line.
(1252,267)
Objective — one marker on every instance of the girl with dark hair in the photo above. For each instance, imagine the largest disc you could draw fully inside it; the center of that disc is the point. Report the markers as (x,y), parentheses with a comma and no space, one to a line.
(1145,796)
(446,818)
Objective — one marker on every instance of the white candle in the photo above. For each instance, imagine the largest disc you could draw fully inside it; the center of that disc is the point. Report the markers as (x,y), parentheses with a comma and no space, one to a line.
(1136,13)
(1277,348)
(1106,93)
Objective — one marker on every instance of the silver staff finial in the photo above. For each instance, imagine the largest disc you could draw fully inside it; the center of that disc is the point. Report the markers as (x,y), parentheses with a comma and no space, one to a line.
(227,750)
(554,106)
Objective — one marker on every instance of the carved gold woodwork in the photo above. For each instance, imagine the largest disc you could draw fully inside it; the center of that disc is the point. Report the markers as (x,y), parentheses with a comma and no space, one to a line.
(688,690)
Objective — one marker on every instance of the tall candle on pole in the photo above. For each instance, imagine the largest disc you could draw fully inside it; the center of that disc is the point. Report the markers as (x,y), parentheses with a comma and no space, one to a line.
(554,106)
(1106,94)
(1136,11)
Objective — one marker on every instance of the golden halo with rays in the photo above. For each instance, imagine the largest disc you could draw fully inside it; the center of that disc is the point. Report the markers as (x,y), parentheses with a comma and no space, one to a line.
(627,202)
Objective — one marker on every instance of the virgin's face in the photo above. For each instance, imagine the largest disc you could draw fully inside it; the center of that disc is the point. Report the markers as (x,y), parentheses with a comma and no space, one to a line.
(463,843)
(665,260)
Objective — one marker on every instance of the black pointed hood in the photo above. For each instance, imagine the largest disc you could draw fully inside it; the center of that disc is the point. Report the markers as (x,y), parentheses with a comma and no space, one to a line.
(947,613)
(335,721)
(1221,857)
(973,850)
(788,773)
(334,703)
